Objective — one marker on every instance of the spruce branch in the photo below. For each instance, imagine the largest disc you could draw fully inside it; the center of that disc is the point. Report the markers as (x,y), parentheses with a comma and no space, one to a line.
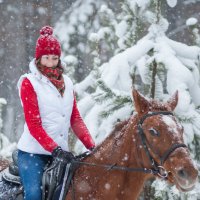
(105,94)
(105,88)
(196,144)
(188,120)
(117,103)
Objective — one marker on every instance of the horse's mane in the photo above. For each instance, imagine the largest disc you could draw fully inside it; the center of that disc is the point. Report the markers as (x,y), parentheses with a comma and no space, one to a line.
(118,128)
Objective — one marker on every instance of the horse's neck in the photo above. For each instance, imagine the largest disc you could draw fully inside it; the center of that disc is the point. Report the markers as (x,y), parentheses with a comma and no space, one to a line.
(121,148)
(118,147)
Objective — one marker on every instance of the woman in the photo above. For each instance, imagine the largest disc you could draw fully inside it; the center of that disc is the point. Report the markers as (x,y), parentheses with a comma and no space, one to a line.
(49,105)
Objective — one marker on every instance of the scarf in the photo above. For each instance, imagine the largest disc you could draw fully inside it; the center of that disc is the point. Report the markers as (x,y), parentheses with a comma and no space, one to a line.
(54,74)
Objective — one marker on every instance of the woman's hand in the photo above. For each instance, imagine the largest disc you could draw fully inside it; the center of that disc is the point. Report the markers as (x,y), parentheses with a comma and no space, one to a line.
(61,155)
(92,149)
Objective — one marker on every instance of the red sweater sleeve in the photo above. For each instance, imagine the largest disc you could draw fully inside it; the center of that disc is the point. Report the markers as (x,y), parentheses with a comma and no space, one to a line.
(79,127)
(32,116)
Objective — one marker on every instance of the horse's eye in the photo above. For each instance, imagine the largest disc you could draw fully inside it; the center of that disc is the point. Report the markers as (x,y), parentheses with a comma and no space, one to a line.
(154,132)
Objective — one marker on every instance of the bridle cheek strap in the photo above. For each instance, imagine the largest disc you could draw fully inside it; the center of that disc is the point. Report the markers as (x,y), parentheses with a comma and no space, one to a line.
(145,146)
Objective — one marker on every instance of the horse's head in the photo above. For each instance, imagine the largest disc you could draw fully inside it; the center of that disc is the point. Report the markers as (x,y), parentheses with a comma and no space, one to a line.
(162,139)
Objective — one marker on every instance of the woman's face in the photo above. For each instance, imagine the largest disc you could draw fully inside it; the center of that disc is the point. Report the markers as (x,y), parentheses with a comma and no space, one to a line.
(49,60)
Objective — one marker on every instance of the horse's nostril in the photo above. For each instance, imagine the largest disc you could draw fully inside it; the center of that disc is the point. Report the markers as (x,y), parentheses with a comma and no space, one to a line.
(182,173)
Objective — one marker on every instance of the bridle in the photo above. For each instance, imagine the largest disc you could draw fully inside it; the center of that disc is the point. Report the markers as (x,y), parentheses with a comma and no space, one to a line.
(157,167)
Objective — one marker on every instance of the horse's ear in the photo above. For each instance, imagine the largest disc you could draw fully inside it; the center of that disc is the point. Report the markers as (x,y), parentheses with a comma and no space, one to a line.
(173,101)
(141,104)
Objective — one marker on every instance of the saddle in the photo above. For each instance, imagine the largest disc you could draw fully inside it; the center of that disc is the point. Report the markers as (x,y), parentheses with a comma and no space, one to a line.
(12,174)
(56,178)
(51,181)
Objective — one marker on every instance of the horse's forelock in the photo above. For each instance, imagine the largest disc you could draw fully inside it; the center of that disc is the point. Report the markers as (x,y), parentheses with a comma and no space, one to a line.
(158,106)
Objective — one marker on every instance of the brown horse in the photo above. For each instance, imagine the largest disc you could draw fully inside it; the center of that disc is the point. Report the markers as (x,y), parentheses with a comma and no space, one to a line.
(151,142)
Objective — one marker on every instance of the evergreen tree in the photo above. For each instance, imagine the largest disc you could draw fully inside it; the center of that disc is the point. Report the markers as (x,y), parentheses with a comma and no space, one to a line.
(192,23)
(74,29)
(2,102)
(150,62)
(6,148)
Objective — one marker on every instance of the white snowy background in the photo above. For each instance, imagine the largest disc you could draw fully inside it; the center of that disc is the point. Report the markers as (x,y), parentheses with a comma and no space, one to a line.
(178,66)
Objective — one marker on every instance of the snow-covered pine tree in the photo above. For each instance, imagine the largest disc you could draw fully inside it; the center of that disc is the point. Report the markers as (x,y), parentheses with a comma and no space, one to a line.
(155,65)
(74,28)
(193,24)
(2,103)
(6,147)
(121,26)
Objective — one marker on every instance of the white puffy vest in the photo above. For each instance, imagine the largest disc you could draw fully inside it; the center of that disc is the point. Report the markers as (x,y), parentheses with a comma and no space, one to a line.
(55,111)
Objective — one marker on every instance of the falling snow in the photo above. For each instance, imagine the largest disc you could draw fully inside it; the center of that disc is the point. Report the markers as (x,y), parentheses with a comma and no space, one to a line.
(181,63)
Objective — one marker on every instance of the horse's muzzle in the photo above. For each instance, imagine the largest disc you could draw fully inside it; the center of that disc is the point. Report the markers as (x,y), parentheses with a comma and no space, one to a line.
(185,178)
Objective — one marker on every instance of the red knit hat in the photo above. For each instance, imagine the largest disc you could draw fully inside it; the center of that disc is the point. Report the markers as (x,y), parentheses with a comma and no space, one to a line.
(47,43)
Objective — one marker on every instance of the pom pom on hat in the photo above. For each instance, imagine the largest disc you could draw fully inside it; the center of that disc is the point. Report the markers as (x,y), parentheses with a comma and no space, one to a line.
(46,30)
(47,43)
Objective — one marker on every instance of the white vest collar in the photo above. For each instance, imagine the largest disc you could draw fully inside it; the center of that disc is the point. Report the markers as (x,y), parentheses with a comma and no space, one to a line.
(33,69)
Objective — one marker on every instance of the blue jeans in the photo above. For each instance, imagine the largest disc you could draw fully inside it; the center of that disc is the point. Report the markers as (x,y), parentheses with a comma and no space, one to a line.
(31,168)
